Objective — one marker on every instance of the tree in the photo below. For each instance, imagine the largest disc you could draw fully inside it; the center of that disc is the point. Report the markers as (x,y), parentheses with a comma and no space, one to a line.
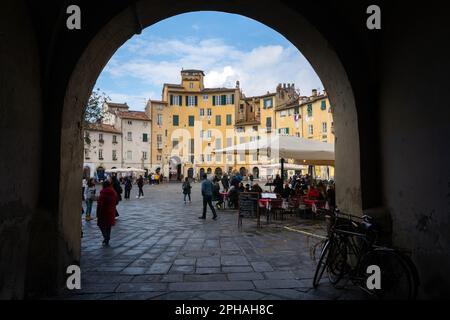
(94,109)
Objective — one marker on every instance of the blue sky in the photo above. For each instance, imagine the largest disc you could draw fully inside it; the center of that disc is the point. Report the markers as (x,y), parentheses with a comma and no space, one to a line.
(227,47)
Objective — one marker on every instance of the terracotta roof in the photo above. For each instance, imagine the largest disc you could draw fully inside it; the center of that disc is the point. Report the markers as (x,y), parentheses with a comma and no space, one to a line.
(133,115)
(288,105)
(193,71)
(259,97)
(314,99)
(217,89)
(102,128)
(117,105)
(158,101)
(171,85)
(240,123)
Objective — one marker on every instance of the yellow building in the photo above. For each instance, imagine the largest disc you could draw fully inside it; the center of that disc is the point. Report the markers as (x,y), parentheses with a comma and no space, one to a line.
(189,124)
(192,121)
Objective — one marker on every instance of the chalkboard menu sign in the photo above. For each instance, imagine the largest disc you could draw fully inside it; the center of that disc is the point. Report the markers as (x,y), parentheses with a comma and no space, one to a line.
(248,206)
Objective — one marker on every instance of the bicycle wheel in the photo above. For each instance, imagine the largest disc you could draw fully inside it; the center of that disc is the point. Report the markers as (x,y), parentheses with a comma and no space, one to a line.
(322,264)
(337,266)
(396,279)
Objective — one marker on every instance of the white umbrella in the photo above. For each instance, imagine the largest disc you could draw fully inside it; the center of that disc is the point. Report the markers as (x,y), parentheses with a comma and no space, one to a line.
(299,149)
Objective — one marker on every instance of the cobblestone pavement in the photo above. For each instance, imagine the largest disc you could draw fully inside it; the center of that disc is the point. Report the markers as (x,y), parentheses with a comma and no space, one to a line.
(159,249)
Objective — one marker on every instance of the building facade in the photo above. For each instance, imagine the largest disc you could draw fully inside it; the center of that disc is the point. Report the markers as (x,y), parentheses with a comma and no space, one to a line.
(191,122)
(123,140)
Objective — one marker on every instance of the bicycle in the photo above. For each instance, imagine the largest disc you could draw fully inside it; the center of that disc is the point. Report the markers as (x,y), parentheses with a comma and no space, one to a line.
(351,248)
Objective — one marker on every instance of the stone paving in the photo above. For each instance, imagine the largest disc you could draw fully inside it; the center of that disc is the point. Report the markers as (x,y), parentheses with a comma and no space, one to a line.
(159,249)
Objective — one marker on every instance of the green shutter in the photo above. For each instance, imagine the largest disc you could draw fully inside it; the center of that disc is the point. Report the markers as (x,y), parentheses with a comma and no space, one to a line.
(324,105)
(214,100)
(191,121)
(171,99)
(232,98)
(186,100)
(228,119)
(287,130)
(223,99)
(218,121)
(196,101)
(175,120)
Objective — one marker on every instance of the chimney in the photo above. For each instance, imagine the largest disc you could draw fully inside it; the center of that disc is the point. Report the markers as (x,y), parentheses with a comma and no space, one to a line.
(284,85)
(237,84)
(314,92)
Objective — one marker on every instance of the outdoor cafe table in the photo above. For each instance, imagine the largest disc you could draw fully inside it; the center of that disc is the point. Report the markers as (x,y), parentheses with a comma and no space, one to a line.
(267,203)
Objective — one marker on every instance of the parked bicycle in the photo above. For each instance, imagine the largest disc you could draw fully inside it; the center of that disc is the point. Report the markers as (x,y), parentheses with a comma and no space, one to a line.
(351,248)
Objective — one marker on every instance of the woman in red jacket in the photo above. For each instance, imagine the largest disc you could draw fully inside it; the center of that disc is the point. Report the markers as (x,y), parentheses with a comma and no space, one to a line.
(106,210)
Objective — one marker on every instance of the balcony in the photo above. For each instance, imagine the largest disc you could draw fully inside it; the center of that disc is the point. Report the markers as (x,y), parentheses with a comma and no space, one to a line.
(159,145)
(101,141)
(114,142)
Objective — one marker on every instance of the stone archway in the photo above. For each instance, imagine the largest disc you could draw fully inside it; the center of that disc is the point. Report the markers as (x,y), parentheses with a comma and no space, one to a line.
(130,21)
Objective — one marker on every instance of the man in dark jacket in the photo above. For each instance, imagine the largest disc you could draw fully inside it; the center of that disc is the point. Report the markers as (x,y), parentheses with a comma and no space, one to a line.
(207,193)
(140,183)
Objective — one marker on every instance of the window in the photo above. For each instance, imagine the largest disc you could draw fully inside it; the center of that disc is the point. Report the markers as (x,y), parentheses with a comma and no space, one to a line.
(159,141)
(240,129)
(290,112)
(242,140)
(310,130)
(86,153)
(130,122)
(267,103)
(129,155)
(268,122)
(283,131)
(324,127)
(209,157)
(209,112)
(191,85)
(166,133)
(202,133)
(310,110)
(191,101)
(218,120)
(218,143)
(283,114)
(145,123)
(175,120)
(144,155)
(209,133)
(296,110)
(229,99)
(205,97)
(255,156)
(191,121)
(175,143)
(202,112)
(158,158)
(100,138)
(145,137)
(255,128)
(229,120)
(159,119)
(218,157)
(175,100)
(114,137)
(229,142)
(229,158)
(323,105)
(114,155)
(192,147)
(129,136)
(242,157)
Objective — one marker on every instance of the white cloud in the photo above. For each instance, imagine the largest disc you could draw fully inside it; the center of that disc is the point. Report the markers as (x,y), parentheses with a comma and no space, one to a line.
(259,70)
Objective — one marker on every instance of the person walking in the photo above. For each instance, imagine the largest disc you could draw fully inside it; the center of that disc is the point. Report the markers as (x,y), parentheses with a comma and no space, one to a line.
(207,193)
(116,186)
(140,183)
(106,210)
(186,189)
(225,182)
(128,187)
(90,196)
